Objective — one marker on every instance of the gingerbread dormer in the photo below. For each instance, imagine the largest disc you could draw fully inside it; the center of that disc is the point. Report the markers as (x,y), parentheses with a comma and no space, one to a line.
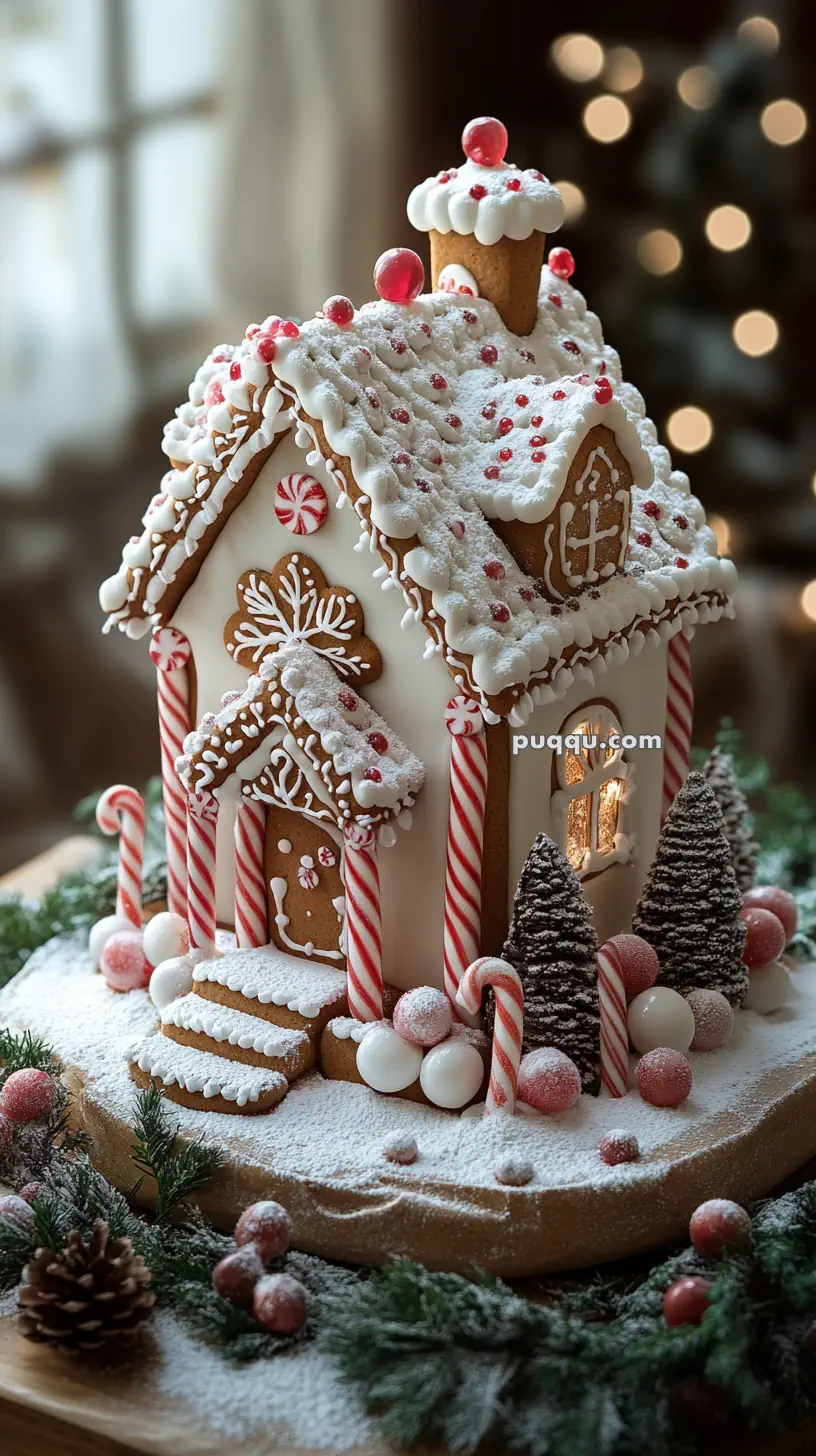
(488,222)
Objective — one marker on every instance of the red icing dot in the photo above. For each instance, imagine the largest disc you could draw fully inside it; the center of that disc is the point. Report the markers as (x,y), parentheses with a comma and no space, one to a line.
(555,300)
(378,741)
(681,522)
(438,381)
(443,177)
(603,390)
(499,612)
(468,315)
(373,775)
(570,346)
(536,440)
(618,1146)
(513,184)
(373,398)
(531,172)
(522,400)
(289,329)
(399,275)
(538,455)
(643,538)
(457,529)
(561,262)
(765,937)
(215,393)
(235,370)
(528,355)
(454,422)
(663,1077)
(488,353)
(349,700)
(651,508)
(491,472)
(477,192)
(425,329)
(537,420)
(339,310)
(401,416)
(559,394)
(400,457)
(267,348)
(505,425)
(484,141)
(423,486)
(681,562)
(506,453)
(489,412)
(494,570)
(398,345)
(549,1080)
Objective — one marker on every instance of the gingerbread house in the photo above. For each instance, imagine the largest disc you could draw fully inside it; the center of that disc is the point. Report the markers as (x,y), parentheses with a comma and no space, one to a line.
(400,553)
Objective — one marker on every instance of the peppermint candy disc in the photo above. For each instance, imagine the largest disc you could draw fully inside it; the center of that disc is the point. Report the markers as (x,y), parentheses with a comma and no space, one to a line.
(326,856)
(203,805)
(463,717)
(301,504)
(169,649)
(308,877)
(358,836)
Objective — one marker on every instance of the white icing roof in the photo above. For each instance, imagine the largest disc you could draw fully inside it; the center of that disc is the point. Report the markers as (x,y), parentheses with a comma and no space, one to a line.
(508,203)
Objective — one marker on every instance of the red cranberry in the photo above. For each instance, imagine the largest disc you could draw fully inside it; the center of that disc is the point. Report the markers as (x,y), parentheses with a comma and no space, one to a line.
(468,315)
(536,440)
(491,472)
(454,422)
(538,455)
(559,394)
(651,508)
(513,184)
(537,420)
(555,300)
(603,390)
(438,381)
(289,329)
(373,775)
(378,741)
(506,453)
(522,400)
(349,700)
(267,348)
(401,415)
(488,353)
(505,425)
(561,262)
(477,192)
(235,370)
(570,346)
(499,612)
(681,562)
(643,538)
(681,522)
(339,310)
(494,570)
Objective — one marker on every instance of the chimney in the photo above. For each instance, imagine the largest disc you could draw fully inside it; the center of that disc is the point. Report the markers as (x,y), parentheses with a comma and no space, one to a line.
(488,223)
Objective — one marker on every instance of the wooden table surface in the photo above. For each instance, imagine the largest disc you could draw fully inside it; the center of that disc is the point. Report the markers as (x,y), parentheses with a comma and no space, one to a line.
(52,1405)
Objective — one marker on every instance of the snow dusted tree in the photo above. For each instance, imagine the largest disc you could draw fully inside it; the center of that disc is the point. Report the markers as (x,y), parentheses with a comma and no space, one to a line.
(689,906)
(719,773)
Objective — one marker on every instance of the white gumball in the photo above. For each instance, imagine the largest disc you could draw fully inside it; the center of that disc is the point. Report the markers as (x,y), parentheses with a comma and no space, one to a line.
(171,979)
(165,936)
(386,1062)
(452,1073)
(767,989)
(102,932)
(660,1017)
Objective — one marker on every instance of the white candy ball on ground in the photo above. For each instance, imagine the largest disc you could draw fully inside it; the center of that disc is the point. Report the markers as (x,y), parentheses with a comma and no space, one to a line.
(452,1073)
(660,1018)
(767,989)
(171,979)
(386,1062)
(713,1020)
(102,932)
(401,1147)
(423,1016)
(165,936)
(514,1172)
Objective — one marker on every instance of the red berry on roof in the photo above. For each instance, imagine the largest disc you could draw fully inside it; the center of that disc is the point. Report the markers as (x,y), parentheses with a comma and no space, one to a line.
(349,700)
(373,775)
(494,570)
(443,177)
(289,330)
(491,472)
(538,455)
(559,394)
(681,522)
(651,508)
(400,457)
(603,391)
(267,348)
(235,370)
(681,562)
(454,422)
(489,412)
(373,398)
(643,538)
(468,315)
(536,420)
(457,529)
(522,400)
(528,355)
(505,425)
(561,262)
(484,141)
(488,353)
(506,453)
(531,172)
(477,192)
(571,347)
(499,612)
(397,344)
(555,300)
(378,741)
(401,415)
(513,184)
(399,275)
(215,393)
(423,486)
(438,381)
(425,329)
(339,310)
(536,440)
(527,594)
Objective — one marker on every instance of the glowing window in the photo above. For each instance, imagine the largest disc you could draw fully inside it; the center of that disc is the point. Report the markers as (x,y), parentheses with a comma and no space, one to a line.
(592,787)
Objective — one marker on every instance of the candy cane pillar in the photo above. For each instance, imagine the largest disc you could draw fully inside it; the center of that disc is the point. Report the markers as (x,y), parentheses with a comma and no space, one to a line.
(250,884)
(679,717)
(363,923)
(202,822)
(508,1025)
(121,811)
(463,865)
(170,651)
(614,1029)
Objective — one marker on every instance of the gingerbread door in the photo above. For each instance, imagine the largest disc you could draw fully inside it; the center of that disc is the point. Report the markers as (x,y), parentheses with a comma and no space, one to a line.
(304,887)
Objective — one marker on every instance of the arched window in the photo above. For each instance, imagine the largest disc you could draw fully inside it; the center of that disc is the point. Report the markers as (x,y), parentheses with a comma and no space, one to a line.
(593,782)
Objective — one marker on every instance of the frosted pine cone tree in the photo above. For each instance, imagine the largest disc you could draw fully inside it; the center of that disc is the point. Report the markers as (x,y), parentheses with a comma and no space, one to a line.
(553,946)
(719,773)
(689,906)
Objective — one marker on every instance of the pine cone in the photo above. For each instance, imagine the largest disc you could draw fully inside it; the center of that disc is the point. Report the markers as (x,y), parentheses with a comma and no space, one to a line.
(85,1295)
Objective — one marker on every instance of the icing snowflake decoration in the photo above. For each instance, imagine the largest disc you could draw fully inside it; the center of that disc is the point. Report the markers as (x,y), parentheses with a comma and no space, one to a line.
(292,603)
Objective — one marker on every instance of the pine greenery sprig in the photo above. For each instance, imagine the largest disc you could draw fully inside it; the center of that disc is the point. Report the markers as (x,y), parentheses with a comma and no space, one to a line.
(176,1172)
(19,1050)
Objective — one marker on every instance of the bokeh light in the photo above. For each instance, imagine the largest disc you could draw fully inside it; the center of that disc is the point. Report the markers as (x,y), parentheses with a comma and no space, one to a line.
(722,531)
(698,87)
(574,200)
(808,600)
(784,122)
(690,429)
(578,57)
(607,118)
(756,332)
(623,70)
(761,32)
(727,227)
(659,251)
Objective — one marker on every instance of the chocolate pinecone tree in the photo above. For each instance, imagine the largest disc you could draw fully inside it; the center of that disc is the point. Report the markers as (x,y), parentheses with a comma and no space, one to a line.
(719,773)
(689,906)
(553,946)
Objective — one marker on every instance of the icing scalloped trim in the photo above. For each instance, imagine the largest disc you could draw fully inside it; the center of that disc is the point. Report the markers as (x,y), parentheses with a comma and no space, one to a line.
(447,203)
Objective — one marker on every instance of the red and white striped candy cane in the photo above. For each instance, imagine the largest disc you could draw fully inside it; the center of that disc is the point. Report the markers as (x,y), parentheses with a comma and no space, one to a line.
(121,811)
(363,923)
(614,1028)
(463,865)
(508,1024)
(170,651)
(250,884)
(679,718)
(202,822)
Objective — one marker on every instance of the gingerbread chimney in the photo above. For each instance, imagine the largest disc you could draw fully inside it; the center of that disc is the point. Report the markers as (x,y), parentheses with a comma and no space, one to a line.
(488,223)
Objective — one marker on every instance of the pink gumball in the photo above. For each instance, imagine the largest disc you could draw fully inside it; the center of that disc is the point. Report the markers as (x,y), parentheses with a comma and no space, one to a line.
(764,939)
(663,1077)
(639,963)
(548,1080)
(423,1016)
(780,904)
(713,1020)
(123,962)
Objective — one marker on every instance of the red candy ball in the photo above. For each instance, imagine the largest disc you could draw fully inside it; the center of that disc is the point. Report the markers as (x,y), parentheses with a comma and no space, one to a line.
(561,262)
(618,1146)
(268,1226)
(686,1301)
(339,310)
(548,1080)
(639,963)
(236,1276)
(16,1210)
(423,1016)
(765,937)
(280,1304)
(123,962)
(27,1095)
(399,275)
(779,902)
(484,141)
(603,391)
(717,1225)
(663,1077)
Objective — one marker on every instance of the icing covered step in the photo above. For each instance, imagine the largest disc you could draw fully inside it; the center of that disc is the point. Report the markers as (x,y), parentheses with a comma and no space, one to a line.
(204,1081)
(282,989)
(238,1036)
